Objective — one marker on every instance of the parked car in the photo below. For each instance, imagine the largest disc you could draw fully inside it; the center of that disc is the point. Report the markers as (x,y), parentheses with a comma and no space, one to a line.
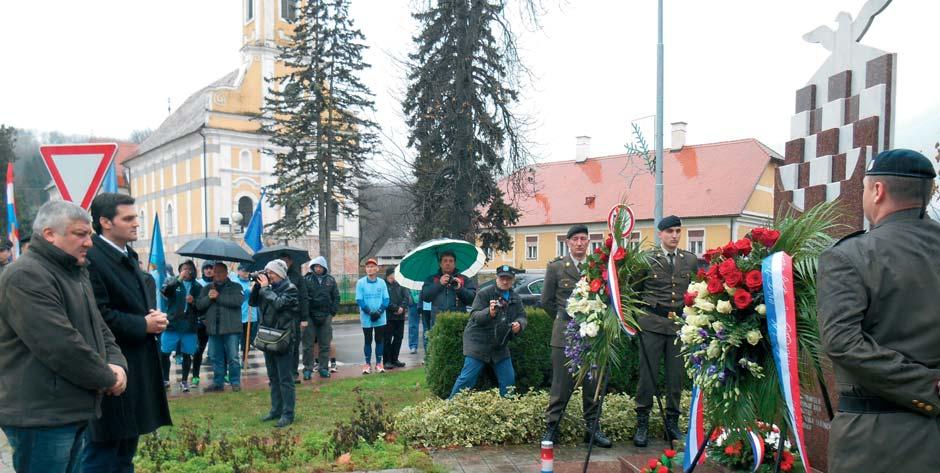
(528,286)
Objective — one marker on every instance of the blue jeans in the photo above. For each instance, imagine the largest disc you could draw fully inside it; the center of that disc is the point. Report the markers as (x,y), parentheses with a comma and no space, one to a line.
(109,457)
(281,378)
(46,449)
(223,349)
(414,320)
(505,375)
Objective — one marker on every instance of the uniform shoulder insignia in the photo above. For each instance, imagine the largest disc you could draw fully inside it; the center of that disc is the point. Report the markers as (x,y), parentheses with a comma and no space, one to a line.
(849,236)
(557,258)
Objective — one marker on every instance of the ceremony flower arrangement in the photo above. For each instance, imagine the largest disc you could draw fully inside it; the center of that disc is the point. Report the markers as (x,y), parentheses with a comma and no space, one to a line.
(735,449)
(747,356)
(663,464)
(604,304)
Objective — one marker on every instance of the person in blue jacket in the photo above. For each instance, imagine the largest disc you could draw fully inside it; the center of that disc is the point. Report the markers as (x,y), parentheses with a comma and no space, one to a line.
(372,298)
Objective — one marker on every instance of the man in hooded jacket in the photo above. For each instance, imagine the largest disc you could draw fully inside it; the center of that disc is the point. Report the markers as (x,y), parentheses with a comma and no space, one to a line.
(323,303)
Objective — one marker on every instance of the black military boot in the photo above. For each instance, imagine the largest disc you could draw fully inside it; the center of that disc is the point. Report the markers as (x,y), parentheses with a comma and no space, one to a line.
(551,433)
(600,440)
(672,427)
(641,437)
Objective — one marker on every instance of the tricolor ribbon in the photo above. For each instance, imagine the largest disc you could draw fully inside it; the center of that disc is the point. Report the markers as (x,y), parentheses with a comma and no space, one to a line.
(757,446)
(13,232)
(777,271)
(612,278)
(696,430)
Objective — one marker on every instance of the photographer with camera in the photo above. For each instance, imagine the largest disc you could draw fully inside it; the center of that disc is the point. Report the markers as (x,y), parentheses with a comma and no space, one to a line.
(372,299)
(278,311)
(446,291)
(497,315)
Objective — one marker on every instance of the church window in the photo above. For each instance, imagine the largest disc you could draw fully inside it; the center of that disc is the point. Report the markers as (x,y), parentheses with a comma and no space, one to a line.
(170,219)
(289,10)
(244,159)
(246,208)
(249,10)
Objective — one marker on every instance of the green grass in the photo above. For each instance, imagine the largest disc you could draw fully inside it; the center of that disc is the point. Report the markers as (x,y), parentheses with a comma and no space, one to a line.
(219,429)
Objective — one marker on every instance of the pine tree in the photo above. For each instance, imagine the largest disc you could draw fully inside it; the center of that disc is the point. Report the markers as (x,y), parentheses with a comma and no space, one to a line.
(317,116)
(462,127)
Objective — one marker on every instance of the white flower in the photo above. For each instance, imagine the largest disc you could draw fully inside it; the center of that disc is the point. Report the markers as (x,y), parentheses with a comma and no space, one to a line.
(761,309)
(753,337)
(700,287)
(718,326)
(723,307)
(704,305)
(713,351)
(730,290)
(589,329)
(689,311)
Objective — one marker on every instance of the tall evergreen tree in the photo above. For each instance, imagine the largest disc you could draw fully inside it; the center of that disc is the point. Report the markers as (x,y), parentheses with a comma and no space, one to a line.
(462,126)
(317,116)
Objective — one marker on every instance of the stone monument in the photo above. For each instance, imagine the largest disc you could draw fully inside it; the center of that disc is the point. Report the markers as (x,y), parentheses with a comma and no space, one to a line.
(843,117)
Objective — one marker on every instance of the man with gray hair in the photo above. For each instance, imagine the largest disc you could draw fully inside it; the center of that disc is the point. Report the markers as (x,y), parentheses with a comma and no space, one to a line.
(57,355)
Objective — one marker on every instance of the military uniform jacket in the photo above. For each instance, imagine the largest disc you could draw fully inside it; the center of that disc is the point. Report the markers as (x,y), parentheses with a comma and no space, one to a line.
(560,278)
(664,286)
(879,321)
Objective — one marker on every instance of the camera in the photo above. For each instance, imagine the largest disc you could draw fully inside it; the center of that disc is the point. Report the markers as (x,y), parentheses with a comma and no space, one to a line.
(453,282)
(254,275)
(502,303)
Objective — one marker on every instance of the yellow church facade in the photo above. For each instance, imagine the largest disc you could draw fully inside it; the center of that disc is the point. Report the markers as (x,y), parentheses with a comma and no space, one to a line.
(205,165)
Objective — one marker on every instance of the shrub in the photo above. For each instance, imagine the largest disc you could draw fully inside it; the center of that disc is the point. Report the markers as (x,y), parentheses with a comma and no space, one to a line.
(531,357)
(485,418)
(368,424)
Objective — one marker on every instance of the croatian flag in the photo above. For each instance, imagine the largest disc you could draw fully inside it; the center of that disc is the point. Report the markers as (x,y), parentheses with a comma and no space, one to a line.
(777,271)
(696,432)
(13,229)
(757,446)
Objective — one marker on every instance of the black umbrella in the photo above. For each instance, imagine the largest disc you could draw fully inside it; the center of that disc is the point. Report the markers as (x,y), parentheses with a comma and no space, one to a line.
(215,249)
(264,256)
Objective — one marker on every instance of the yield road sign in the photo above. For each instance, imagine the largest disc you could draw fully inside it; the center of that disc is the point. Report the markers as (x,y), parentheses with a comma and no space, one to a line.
(78,169)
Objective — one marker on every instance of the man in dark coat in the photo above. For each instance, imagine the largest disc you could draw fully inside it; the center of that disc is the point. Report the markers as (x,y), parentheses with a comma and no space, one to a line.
(448,290)
(496,316)
(221,305)
(323,295)
(560,278)
(128,308)
(399,298)
(878,320)
(57,356)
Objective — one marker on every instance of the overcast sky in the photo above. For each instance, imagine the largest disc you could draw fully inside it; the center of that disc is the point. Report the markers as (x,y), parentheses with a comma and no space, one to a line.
(732,66)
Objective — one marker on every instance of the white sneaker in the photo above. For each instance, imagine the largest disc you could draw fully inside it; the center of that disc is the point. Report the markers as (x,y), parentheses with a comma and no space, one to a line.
(184,386)
(366,369)
(380,368)
(332,366)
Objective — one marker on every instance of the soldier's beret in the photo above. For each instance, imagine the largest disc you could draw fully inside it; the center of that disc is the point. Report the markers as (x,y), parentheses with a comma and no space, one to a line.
(506,270)
(901,162)
(574,230)
(669,222)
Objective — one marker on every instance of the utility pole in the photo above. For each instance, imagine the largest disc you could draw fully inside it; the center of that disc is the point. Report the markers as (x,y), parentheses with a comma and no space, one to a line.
(658,209)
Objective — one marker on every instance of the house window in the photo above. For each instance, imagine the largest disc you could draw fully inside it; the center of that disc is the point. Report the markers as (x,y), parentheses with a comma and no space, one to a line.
(489,254)
(244,159)
(170,219)
(562,247)
(696,242)
(288,10)
(249,10)
(597,241)
(532,247)
(247,208)
(634,241)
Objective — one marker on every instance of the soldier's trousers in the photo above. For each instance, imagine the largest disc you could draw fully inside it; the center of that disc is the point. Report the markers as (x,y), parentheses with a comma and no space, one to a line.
(655,347)
(563,387)
(320,335)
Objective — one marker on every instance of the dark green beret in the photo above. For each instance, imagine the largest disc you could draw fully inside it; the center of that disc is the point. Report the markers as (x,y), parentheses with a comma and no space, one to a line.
(669,222)
(901,162)
(575,230)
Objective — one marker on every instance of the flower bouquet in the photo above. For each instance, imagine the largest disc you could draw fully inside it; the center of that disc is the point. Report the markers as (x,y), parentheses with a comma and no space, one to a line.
(604,304)
(736,449)
(749,332)
(663,464)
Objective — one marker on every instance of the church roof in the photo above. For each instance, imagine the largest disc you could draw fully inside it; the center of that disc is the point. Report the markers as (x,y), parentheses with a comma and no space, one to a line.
(189,117)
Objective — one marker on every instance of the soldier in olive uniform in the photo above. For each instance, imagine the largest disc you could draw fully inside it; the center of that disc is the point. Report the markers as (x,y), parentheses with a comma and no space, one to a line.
(560,278)
(664,287)
(879,321)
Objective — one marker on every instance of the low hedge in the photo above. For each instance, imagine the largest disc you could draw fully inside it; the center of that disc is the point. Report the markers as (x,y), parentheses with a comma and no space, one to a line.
(485,418)
(531,356)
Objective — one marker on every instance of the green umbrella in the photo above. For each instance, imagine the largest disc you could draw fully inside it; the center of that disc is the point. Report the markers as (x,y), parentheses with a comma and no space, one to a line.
(423,261)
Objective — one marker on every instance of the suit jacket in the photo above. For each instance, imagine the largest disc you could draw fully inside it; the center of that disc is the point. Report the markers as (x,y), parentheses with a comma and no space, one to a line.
(664,288)
(124,299)
(880,324)
(560,278)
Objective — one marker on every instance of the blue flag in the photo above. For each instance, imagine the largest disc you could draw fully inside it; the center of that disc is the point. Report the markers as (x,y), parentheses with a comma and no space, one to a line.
(255,227)
(158,260)
(110,183)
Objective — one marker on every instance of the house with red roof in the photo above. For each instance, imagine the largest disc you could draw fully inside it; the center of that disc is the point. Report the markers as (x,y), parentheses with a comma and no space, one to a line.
(719,190)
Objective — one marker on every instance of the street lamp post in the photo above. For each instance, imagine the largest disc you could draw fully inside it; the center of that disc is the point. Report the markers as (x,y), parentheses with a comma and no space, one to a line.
(658,209)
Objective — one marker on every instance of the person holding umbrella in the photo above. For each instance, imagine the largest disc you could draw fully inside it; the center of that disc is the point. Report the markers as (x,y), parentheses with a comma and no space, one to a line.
(372,298)
(447,290)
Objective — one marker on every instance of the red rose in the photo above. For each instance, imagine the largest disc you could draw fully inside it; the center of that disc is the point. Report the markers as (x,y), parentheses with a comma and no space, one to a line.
(743,246)
(742,299)
(715,286)
(729,251)
(662,469)
(690,298)
(727,266)
(653,463)
(609,242)
(770,238)
(753,280)
(729,450)
(734,278)
(669,453)
(700,274)
(619,254)
(596,285)
(600,250)
(712,271)
(710,254)
(758,234)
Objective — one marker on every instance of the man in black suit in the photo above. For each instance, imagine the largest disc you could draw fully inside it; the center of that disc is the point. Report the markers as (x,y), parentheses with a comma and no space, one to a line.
(128,307)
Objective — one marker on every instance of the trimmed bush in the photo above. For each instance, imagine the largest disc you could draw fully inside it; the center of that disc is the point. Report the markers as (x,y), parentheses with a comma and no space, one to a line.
(485,418)
(531,357)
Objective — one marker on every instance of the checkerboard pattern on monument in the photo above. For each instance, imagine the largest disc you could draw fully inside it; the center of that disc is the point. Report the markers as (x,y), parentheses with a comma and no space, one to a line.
(833,135)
